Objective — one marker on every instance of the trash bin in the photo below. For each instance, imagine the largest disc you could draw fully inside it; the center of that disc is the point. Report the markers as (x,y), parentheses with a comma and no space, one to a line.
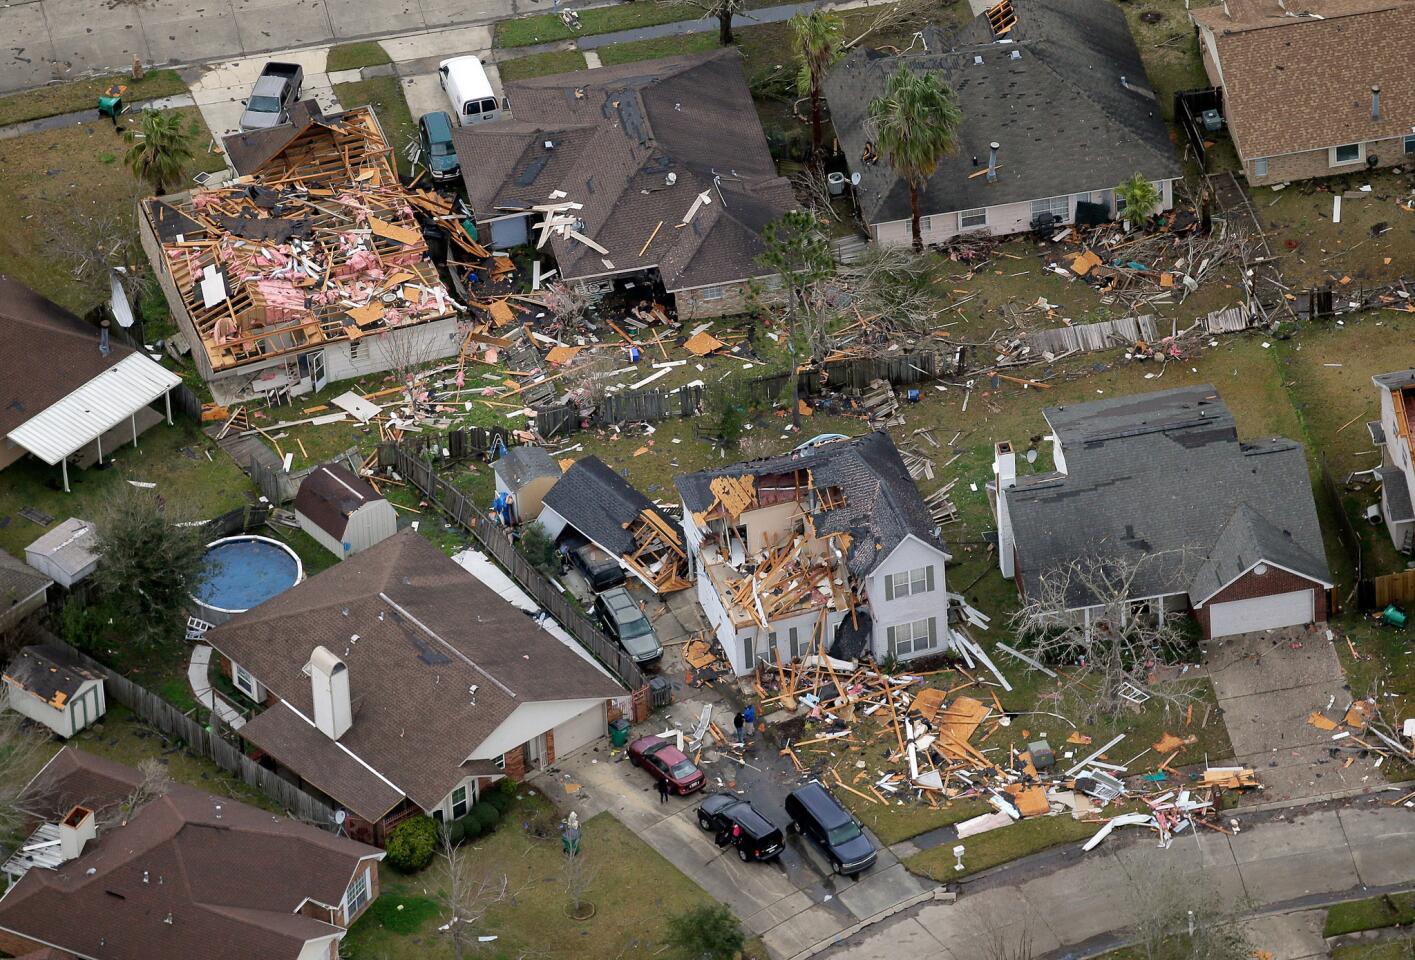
(110,101)
(660,691)
(619,732)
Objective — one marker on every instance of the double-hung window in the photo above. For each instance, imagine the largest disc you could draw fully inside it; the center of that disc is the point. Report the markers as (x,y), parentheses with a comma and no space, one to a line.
(909,582)
(968,219)
(244,681)
(459,803)
(1347,153)
(906,639)
(356,897)
(1056,206)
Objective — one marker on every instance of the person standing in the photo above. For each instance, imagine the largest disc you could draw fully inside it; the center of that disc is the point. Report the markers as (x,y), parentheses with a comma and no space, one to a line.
(663,791)
(738,722)
(749,716)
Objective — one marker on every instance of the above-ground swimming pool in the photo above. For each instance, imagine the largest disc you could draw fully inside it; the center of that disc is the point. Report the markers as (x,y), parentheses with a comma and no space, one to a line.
(244,572)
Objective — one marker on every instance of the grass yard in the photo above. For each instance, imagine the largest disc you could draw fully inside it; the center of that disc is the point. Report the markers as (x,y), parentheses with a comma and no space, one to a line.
(634,890)
(352,56)
(386,97)
(1373,913)
(1389,950)
(192,476)
(541,65)
(69,182)
(1023,838)
(76,95)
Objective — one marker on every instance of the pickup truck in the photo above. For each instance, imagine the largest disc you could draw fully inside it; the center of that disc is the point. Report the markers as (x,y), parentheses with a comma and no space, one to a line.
(275,92)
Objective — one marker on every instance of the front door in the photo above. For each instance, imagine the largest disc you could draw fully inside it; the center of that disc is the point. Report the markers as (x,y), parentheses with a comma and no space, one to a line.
(535,753)
(312,369)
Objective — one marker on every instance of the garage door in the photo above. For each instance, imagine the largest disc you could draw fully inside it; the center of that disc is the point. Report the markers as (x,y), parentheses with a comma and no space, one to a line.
(1261,613)
(579,731)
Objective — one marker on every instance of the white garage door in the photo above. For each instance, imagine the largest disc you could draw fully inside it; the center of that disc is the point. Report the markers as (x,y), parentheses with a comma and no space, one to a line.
(579,731)
(1261,613)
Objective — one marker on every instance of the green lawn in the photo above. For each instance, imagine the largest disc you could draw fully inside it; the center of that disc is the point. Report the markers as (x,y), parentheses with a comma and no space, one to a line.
(76,95)
(633,891)
(1372,913)
(1389,950)
(386,97)
(548,27)
(352,56)
(1000,846)
(541,64)
(656,47)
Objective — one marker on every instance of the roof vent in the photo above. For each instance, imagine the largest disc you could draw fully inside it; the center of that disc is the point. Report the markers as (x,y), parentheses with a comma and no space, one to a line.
(1015,55)
(977,59)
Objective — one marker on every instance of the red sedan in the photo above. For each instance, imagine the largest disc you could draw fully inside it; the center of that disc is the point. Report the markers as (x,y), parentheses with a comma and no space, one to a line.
(666,762)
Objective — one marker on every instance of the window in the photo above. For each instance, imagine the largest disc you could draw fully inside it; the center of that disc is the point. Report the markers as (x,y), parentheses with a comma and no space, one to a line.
(1119,203)
(356,897)
(1260,167)
(501,762)
(245,682)
(1349,153)
(1410,144)
(906,639)
(355,348)
(1056,206)
(798,649)
(712,293)
(1083,198)
(967,219)
(908,582)
(925,223)
(459,803)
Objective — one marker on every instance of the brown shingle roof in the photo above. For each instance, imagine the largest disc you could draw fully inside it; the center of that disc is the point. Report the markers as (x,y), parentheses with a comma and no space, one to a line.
(330,494)
(33,331)
(1293,84)
(228,875)
(416,632)
(618,132)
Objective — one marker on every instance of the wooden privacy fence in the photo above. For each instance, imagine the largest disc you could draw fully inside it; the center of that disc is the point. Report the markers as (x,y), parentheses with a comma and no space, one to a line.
(905,369)
(649,405)
(158,713)
(1394,588)
(492,537)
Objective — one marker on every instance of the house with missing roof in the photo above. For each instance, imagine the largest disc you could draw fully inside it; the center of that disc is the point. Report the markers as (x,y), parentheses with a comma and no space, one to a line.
(591,500)
(69,393)
(1314,89)
(342,511)
(49,684)
(1057,111)
(1160,482)
(829,546)
(395,683)
(646,177)
(185,875)
(1394,434)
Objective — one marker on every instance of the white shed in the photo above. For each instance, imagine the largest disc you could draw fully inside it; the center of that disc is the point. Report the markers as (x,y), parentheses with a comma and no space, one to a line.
(342,511)
(66,553)
(23,590)
(49,684)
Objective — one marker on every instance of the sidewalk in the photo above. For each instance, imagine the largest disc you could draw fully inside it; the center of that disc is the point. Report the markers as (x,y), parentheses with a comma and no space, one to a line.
(198,676)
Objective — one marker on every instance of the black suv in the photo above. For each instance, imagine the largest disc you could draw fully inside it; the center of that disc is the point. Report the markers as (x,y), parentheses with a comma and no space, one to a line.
(737,822)
(818,815)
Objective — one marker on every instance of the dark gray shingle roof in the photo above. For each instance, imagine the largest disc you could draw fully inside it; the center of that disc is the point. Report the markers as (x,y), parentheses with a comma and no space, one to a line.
(598,502)
(520,465)
(1397,494)
(1065,122)
(47,669)
(1395,380)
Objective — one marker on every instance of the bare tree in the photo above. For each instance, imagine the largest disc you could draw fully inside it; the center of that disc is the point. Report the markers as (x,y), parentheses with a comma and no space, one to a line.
(578,875)
(22,754)
(569,305)
(720,10)
(93,245)
(895,285)
(1082,616)
(155,782)
(1009,941)
(467,898)
(1171,907)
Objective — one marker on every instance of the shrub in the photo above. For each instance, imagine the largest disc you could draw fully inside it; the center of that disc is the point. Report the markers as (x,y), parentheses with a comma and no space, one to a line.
(500,799)
(471,828)
(456,831)
(706,932)
(411,844)
(487,815)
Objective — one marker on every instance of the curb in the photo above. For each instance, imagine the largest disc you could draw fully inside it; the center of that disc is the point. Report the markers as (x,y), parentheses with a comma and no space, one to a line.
(937,893)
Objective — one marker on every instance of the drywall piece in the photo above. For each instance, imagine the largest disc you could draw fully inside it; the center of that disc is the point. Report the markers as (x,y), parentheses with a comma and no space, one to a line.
(1072,772)
(1124,820)
(361,409)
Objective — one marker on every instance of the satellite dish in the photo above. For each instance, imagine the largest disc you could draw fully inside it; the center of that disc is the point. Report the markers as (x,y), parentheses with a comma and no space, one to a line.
(340,816)
(855,179)
(1031,456)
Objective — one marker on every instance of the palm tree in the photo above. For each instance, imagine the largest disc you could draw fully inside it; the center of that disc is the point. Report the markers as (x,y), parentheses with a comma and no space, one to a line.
(1141,197)
(817,40)
(160,148)
(916,123)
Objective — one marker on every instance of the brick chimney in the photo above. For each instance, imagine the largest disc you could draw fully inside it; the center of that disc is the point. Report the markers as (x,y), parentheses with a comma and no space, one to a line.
(76,829)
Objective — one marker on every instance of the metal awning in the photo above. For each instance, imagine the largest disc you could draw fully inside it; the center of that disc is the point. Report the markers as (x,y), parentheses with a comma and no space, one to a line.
(94,408)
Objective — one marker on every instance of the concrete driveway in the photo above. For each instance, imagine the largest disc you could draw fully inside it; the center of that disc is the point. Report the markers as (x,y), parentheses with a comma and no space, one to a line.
(793,902)
(1267,685)
(222,88)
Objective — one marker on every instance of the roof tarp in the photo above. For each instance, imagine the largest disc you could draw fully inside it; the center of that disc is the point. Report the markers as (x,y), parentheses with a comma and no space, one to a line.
(94,408)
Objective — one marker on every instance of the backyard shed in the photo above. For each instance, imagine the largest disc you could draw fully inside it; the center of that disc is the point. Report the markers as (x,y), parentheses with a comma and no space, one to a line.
(66,553)
(525,474)
(49,684)
(23,590)
(343,511)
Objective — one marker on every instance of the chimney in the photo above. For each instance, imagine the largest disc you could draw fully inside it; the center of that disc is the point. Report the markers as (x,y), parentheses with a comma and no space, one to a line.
(992,161)
(103,347)
(1005,466)
(1375,103)
(329,678)
(76,829)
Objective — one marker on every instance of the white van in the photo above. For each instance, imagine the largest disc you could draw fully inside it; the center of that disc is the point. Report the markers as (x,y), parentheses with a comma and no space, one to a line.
(469,91)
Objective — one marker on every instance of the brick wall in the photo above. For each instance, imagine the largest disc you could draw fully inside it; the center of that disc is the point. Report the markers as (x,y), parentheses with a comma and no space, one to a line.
(515,763)
(1252,585)
(692,305)
(1315,163)
(549,747)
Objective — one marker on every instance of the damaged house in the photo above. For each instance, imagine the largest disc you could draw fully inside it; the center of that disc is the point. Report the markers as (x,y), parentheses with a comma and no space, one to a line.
(312,268)
(1394,433)
(653,176)
(1056,109)
(830,545)
(604,508)
(1160,484)
(396,683)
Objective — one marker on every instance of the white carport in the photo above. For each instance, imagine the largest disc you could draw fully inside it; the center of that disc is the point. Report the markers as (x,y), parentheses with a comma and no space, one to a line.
(86,414)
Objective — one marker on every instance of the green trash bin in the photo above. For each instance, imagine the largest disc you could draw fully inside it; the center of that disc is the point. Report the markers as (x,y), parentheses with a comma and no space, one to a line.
(110,101)
(619,732)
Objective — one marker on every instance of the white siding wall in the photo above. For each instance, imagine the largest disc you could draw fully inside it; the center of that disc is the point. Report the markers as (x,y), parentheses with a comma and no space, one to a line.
(910,554)
(430,341)
(721,623)
(529,721)
(553,522)
(89,700)
(320,535)
(372,523)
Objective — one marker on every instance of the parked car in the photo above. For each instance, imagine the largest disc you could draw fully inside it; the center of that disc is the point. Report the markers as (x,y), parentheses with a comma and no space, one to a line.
(627,624)
(600,570)
(666,762)
(737,822)
(819,816)
(275,92)
(435,136)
